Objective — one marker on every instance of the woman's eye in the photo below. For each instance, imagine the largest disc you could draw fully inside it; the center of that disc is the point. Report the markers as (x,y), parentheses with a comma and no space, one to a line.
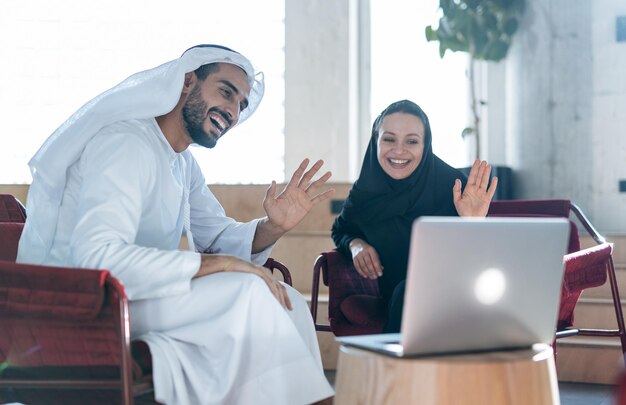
(388,139)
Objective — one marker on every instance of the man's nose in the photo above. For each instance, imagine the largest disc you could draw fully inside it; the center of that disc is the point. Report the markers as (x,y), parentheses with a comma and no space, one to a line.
(233,112)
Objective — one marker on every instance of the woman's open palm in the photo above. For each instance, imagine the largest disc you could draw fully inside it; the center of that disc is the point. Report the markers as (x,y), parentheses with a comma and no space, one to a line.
(475,198)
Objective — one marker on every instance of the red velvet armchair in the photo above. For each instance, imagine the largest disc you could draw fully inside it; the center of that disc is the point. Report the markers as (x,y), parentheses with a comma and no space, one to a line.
(65,332)
(355,306)
(11,209)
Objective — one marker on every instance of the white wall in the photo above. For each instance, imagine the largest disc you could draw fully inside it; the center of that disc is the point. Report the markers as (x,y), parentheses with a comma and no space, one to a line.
(608,122)
(322,114)
(563,91)
(58,54)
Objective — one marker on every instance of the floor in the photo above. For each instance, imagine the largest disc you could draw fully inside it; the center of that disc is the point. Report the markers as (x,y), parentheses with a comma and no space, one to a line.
(586,394)
(570,393)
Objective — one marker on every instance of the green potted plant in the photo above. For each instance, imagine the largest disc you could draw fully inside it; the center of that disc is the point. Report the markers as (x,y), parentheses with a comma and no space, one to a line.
(482,28)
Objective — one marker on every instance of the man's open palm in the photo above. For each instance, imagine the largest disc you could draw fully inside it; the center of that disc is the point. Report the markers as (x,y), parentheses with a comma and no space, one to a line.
(288,208)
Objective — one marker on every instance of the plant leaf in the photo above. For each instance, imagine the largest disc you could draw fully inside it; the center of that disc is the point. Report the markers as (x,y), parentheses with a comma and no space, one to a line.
(497,51)
(510,26)
(467,132)
(431,34)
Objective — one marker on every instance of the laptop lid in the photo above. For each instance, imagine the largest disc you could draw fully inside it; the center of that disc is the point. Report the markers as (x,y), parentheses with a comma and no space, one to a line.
(476,284)
(482,283)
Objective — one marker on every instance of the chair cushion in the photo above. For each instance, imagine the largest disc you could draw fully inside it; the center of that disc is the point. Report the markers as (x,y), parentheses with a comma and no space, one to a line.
(364,310)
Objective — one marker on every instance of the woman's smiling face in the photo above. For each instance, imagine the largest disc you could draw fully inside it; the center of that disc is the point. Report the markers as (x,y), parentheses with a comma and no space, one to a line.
(400,144)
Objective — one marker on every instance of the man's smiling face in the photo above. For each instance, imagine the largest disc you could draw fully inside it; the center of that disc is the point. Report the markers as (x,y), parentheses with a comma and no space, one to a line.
(214,104)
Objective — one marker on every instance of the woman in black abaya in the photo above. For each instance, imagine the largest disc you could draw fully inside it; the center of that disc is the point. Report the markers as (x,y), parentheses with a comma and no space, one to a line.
(402,179)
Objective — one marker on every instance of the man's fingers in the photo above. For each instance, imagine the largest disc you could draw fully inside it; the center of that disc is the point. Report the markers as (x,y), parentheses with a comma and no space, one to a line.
(306,179)
(281,294)
(271,191)
(322,196)
(297,175)
(319,182)
(276,288)
(287,300)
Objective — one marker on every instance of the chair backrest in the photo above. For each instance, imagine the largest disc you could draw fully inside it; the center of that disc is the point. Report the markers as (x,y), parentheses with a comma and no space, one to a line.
(11,209)
(576,278)
(538,208)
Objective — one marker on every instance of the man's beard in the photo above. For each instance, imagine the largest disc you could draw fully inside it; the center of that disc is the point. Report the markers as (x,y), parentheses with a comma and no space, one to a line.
(194,117)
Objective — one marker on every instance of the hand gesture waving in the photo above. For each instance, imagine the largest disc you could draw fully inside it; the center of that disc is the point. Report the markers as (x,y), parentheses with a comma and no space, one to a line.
(288,208)
(476,196)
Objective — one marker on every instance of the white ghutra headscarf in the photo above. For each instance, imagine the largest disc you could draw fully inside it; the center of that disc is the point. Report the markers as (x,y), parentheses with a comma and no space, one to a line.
(146,94)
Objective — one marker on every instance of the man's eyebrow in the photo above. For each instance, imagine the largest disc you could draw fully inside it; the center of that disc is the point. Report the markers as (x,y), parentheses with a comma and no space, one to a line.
(235,90)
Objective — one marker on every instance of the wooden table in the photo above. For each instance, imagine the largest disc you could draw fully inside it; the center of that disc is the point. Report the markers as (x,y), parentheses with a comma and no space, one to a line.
(525,377)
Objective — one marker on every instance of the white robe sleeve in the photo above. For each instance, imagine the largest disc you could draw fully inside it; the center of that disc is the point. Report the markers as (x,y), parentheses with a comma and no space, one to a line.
(118,173)
(212,230)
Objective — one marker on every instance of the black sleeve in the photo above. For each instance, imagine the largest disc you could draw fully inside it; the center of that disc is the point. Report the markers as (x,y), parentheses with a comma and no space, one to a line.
(343,232)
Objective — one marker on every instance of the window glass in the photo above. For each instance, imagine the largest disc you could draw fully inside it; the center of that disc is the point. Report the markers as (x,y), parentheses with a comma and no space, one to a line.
(58,54)
(406,66)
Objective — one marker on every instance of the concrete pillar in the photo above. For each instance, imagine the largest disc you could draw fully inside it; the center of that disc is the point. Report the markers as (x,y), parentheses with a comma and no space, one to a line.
(326,83)
(549,105)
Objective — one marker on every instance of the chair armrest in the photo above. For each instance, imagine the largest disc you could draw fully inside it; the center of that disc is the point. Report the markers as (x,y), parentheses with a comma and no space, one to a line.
(276,265)
(10,233)
(31,291)
(587,224)
(318,267)
(11,209)
(587,268)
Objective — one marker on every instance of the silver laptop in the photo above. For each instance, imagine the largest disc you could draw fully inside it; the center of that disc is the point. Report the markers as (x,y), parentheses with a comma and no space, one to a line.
(477,284)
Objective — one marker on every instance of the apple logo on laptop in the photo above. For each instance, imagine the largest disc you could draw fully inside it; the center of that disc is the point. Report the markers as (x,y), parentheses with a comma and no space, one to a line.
(490,286)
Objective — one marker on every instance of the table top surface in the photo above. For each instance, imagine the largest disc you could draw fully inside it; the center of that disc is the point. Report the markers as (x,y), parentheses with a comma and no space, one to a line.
(538,352)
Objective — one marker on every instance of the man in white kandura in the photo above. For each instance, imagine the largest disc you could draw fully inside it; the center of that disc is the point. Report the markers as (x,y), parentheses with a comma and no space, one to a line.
(115,186)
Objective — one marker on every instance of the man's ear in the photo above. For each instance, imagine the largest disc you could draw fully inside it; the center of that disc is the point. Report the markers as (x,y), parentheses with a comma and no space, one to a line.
(190,81)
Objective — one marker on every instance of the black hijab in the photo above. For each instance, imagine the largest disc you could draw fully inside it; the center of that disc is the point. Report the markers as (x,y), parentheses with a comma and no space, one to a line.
(381,210)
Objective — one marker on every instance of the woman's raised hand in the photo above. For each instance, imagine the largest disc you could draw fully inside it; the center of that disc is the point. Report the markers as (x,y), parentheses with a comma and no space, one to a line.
(475,198)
